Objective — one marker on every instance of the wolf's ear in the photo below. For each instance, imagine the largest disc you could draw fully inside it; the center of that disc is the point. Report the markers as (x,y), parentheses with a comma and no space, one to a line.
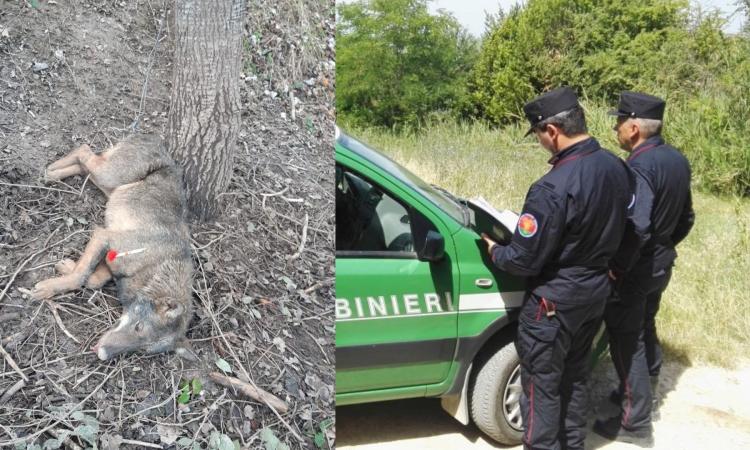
(171,309)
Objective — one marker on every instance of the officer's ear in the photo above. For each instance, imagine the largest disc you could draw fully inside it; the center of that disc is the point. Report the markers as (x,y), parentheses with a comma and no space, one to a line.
(632,129)
(553,131)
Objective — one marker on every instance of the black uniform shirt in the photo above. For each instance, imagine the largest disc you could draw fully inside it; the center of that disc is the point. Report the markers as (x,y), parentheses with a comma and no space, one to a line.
(571,225)
(664,206)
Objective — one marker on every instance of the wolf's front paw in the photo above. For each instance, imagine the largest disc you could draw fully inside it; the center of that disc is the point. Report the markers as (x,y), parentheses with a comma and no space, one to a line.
(56,175)
(44,289)
(65,266)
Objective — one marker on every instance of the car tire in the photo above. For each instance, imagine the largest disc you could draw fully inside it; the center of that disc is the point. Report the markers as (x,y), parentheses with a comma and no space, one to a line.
(495,394)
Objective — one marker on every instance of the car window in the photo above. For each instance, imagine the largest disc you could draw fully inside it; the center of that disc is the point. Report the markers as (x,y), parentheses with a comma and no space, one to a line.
(368,219)
(441,198)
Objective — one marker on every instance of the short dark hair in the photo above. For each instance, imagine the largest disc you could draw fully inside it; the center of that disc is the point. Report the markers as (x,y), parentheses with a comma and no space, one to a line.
(571,122)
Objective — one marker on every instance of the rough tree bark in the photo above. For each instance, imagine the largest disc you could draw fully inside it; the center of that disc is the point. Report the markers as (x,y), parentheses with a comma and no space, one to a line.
(204,110)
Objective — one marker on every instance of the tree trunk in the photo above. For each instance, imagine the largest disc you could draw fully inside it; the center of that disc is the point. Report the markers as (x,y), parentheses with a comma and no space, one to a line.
(204,110)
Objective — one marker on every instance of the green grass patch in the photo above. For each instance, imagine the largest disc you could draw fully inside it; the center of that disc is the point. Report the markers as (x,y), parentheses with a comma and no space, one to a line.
(705,315)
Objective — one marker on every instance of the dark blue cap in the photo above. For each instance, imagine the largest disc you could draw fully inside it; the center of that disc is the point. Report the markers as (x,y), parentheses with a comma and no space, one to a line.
(549,104)
(639,106)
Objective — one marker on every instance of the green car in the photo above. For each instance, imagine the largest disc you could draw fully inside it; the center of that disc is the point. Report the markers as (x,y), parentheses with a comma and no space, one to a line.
(421,311)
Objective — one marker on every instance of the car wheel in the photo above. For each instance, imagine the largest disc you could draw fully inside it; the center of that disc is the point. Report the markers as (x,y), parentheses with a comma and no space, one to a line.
(495,394)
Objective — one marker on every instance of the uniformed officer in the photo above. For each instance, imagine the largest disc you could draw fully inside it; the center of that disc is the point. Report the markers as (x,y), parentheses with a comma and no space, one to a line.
(663,212)
(571,225)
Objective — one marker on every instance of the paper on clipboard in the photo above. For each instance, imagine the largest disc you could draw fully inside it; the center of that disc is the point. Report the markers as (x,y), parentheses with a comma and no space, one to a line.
(507,218)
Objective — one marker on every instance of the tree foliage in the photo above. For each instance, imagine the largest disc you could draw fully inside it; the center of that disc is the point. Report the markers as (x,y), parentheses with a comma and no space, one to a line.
(744,6)
(397,64)
(602,47)
(599,46)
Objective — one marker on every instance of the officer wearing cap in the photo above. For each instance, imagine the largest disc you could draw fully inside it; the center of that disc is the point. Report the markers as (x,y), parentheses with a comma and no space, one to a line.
(571,225)
(663,214)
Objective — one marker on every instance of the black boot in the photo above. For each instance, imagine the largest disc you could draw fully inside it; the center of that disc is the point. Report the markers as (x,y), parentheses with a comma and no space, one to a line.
(613,430)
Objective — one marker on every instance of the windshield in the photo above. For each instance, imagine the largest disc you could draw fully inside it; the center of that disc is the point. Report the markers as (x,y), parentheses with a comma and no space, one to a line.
(438,196)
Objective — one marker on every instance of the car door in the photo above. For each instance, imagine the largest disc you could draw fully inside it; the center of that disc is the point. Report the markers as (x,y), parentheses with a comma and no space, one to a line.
(396,316)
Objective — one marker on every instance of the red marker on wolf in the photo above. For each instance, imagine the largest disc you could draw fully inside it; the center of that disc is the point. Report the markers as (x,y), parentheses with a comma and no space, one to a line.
(114,254)
(145,206)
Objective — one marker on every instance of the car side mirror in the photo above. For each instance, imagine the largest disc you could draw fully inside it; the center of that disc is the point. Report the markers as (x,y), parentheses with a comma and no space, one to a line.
(433,249)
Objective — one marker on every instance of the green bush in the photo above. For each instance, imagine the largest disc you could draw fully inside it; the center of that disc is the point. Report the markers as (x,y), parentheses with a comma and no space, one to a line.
(397,65)
(710,124)
(602,47)
(400,67)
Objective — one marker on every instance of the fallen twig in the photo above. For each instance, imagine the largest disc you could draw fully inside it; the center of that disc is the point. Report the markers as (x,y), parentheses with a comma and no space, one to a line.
(195,243)
(9,316)
(325,356)
(140,443)
(59,388)
(319,285)
(54,306)
(13,364)
(86,180)
(30,258)
(236,358)
(47,363)
(251,391)
(158,405)
(64,416)
(86,377)
(16,337)
(12,391)
(45,188)
(208,410)
(291,101)
(275,194)
(31,269)
(57,434)
(302,241)
(21,245)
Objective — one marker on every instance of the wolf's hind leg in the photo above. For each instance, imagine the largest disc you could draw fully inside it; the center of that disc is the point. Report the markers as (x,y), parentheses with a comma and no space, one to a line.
(71,159)
(96,280)
(84,268)
(82,161)
(65,172)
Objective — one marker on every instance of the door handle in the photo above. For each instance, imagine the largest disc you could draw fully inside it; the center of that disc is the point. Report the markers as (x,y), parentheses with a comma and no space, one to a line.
(483,282)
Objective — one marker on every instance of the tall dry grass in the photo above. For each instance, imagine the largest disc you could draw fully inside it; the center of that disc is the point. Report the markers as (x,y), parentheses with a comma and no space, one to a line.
(705,315)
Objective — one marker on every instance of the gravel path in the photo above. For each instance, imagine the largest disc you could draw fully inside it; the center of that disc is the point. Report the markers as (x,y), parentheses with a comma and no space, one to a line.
(704,408)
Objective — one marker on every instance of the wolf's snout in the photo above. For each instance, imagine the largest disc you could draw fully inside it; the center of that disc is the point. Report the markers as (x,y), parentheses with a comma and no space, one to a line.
(151,263)
(100,352)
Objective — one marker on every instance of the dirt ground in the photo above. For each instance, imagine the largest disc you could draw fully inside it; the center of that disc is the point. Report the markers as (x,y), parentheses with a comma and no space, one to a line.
(704,408)
(73,72)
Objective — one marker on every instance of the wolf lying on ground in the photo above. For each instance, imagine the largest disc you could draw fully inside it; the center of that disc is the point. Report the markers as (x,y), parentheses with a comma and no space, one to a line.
(144,246)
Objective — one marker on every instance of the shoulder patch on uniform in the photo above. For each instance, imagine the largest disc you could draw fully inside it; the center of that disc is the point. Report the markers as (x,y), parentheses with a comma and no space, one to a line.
(527,225)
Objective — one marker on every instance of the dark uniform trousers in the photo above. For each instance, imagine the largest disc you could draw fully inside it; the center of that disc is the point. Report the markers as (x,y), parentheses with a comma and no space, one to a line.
(555,358)
(633,344)
(650,339)
(573,220)
(664,215)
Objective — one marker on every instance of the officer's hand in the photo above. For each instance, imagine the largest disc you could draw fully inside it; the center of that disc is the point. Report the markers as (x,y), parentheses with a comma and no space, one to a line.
(489,241)
(612,275)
